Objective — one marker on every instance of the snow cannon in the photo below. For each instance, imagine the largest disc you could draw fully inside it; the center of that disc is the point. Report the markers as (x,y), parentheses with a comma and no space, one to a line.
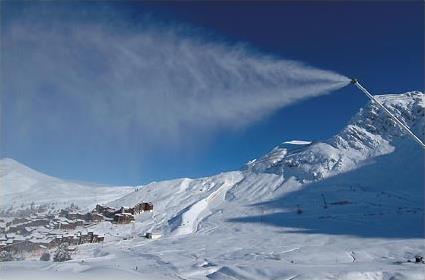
(394,118)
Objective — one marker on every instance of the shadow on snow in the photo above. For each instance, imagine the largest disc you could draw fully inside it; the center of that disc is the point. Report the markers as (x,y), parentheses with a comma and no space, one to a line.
(384,198)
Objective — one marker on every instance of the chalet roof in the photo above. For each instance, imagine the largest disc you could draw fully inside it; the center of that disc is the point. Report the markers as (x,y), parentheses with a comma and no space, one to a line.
(43,241)
(37,235)
(10,235)
(19,238)
(18,225)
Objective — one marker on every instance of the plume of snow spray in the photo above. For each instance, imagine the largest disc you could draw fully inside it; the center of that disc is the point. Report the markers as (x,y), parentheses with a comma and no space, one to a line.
(154,81)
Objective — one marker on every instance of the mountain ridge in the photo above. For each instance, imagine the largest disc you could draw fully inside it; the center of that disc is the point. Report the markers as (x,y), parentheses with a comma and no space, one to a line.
(369,133)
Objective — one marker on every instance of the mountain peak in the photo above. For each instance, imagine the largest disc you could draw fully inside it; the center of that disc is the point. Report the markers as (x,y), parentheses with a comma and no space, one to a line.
(370,133)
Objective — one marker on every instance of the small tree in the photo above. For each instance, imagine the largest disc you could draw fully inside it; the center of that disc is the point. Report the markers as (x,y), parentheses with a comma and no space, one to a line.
(45,257)
(62,254)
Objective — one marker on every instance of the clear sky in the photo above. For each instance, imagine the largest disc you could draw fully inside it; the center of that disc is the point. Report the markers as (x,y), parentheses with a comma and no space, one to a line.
(382,44)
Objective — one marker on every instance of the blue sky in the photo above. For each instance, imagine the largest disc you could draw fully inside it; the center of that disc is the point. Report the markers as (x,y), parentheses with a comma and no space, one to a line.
(380,43)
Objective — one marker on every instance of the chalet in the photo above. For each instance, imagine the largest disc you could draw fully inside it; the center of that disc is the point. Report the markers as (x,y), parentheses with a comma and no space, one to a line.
(73,215)
(67,238)
(99,238)
(86,217)
(45,243)
(124,210)
(142,207)
(54,242)
(106,211)
(19,220)
(65,225)
(109,213)
(22,228)
(18,228)
(38,222)
(100,208)
(123,218)
(79,223)
(86,238)
(10,236)
(21,245)
(138,208)
(96,217)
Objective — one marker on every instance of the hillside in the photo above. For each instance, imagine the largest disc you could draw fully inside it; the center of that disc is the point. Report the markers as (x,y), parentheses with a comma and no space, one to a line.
(21,186)
(369,143)
(348,207)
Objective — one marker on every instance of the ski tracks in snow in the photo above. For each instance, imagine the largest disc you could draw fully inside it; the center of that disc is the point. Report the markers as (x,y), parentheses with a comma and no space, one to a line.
(195,213)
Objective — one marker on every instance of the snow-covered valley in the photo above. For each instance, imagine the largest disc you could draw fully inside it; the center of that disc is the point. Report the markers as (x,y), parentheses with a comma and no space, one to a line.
(349,207)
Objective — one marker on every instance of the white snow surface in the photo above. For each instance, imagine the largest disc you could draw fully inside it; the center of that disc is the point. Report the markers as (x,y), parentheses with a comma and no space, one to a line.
(349,207)
(20,186)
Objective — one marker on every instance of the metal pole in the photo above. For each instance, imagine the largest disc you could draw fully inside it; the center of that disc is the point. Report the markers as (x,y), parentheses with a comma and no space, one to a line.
(402,125)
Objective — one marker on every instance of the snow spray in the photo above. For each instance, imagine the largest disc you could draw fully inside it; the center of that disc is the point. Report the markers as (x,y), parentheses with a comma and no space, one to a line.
(156,81)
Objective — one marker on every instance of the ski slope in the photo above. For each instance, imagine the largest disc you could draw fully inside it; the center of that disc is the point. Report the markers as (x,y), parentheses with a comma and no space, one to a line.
(347,207)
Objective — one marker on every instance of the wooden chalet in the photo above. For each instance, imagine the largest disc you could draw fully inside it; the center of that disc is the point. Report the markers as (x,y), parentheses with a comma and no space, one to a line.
(123,218)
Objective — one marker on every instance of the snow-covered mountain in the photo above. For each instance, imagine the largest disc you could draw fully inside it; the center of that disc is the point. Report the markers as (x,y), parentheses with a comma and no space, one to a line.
(349,207)
(369,134)
(370,139)
(21,186)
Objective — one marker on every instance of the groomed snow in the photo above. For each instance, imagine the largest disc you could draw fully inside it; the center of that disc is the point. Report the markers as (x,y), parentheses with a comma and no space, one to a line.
(350,207)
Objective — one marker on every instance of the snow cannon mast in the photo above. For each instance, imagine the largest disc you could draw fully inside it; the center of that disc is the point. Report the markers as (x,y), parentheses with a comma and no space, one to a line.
(394,118)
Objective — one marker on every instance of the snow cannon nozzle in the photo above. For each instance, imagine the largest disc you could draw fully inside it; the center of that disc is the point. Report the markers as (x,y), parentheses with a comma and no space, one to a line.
(354,81)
